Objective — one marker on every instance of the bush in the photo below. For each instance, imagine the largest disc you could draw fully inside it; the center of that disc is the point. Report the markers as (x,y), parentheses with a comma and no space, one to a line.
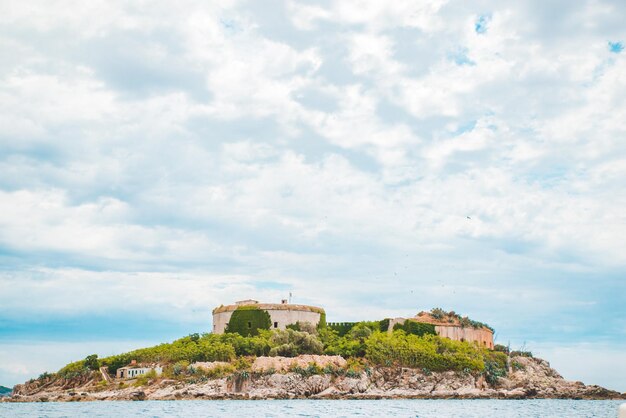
(416,328)
(304,327)
(342,328)
(522,354)
(451,317)
(290,343)
(311,369)
(45,375)
(73,370)
(495,366)
(242,363)
(517,366)
(220,371)
(384,325)
(438,313)
(207,347)
(258,345)
(345,347)
(501,348)
(429,351)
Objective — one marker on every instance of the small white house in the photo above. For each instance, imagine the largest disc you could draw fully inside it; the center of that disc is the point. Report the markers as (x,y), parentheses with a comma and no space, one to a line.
(134,370)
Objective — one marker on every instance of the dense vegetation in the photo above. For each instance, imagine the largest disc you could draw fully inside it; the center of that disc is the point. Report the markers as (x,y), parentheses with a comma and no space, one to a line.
(416,328)
(410,344)
(248,321)
(453,317)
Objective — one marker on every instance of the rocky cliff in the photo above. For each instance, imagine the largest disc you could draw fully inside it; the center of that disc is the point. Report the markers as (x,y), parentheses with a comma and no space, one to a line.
(532,378)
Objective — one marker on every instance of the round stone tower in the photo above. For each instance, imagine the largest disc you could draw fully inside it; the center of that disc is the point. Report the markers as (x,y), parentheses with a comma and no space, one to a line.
(280,314)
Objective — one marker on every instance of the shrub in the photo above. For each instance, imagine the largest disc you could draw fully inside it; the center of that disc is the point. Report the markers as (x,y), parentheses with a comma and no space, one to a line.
(495,366)
(207,347)
(416,328)
(342,328)
(346,347)
(257,345)
(284,350)
(141,380)
(310,370)
(45,375)
(517,366)
(180,367)
(360,331)
(304,327)
(73,370)
(220,371)
(384,325)
(242,363)
(290,343)
(429,351)
(295,327)
(438,313)
(451,317)
(522,354)
(501,348)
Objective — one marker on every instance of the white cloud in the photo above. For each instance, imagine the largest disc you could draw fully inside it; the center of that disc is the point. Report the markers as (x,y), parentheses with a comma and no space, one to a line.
(351,150)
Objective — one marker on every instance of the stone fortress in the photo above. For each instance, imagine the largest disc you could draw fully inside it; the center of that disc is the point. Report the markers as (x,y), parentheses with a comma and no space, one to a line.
(281,314)
(449,325)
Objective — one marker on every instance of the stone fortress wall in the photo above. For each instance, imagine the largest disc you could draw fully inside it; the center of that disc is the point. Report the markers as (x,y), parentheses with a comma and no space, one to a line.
(281,314)
(482,335)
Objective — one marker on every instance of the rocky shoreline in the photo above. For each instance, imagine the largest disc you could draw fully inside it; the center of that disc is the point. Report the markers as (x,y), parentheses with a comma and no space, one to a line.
(533,379)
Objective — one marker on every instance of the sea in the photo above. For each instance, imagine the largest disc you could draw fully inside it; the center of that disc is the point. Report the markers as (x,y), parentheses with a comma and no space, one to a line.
(317,408)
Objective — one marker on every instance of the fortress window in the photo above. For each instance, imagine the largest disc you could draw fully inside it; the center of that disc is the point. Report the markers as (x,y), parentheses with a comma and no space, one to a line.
(249,325)
(275,324)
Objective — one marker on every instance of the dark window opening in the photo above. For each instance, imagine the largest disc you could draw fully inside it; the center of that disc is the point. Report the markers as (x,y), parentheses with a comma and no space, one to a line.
(249,324)
(275,324)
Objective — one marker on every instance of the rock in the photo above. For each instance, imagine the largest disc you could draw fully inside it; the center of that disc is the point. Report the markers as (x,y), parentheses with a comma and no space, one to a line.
(263,364)
(533,379)
(138,395)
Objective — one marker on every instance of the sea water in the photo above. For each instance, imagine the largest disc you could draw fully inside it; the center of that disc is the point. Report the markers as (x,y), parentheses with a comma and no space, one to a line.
(317,408)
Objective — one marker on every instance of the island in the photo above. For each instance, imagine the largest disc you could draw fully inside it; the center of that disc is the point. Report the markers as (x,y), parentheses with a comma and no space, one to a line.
(286,351)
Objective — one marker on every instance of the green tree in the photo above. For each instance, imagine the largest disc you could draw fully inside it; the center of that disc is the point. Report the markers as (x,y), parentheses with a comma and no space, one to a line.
(91,362)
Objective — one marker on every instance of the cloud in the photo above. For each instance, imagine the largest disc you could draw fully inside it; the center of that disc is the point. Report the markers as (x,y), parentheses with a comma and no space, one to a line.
(159,161)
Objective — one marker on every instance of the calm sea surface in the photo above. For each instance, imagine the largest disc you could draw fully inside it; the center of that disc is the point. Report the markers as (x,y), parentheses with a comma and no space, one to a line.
(307,408)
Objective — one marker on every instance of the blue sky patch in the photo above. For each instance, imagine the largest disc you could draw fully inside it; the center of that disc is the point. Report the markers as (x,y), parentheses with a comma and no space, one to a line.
(459,56)
(616,47)
(482,23)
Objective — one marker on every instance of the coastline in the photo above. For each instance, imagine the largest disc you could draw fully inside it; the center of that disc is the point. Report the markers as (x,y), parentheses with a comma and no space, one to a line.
(535,380)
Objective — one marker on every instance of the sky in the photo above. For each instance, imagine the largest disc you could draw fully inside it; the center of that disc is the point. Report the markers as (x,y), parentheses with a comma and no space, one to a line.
(373,158)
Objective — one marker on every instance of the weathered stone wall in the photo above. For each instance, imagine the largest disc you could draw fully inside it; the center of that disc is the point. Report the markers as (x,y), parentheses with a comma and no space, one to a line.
(482,336)
(280,317)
